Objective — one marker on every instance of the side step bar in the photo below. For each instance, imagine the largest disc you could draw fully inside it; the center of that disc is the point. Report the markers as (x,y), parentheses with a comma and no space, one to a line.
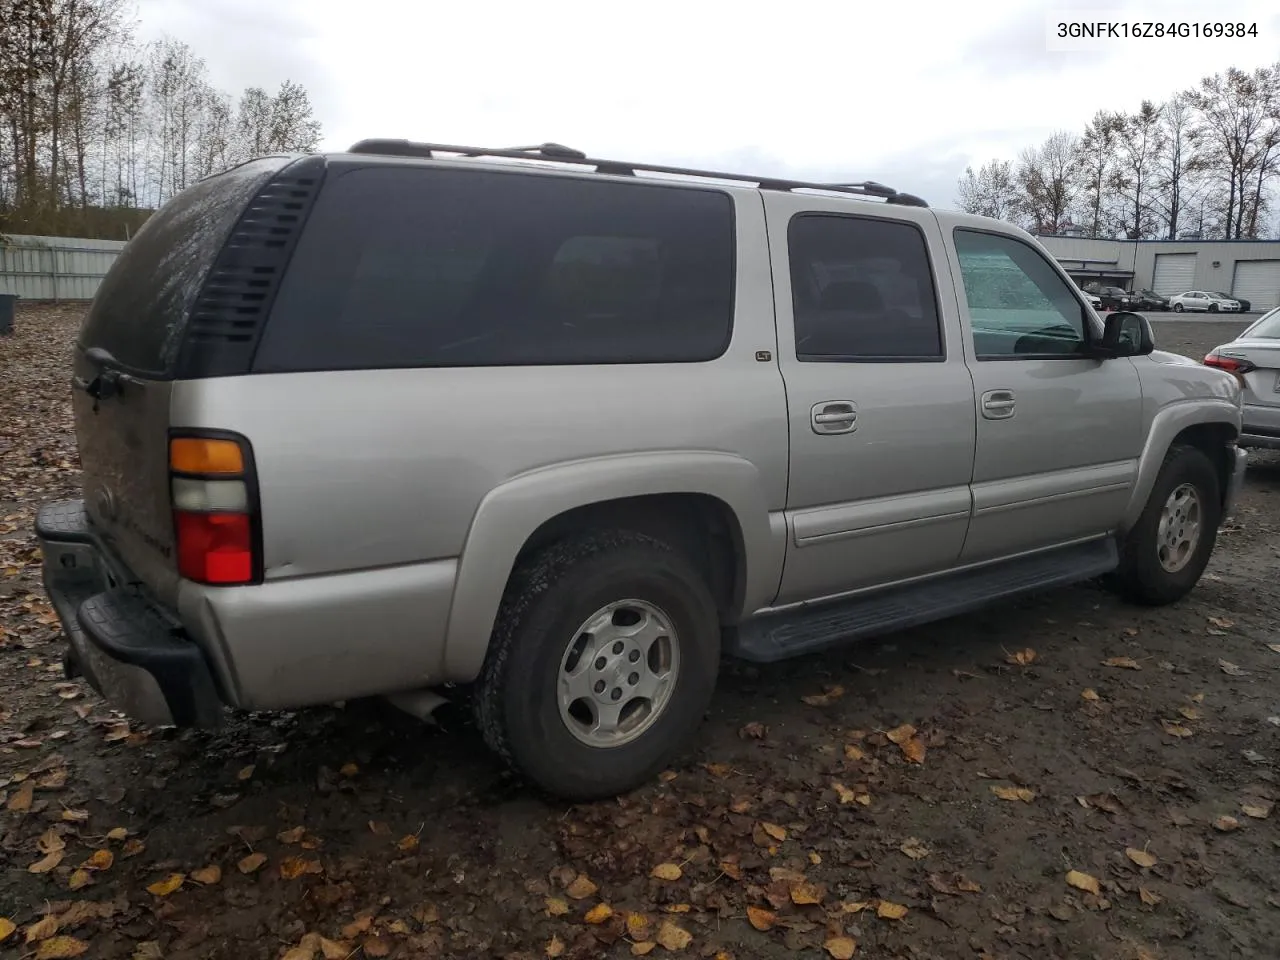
(811,628)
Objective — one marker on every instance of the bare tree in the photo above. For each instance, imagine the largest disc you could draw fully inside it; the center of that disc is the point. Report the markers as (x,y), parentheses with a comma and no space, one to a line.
(1097,169)
(991,192)
(1176,166)
(1046,176)
(1141,142)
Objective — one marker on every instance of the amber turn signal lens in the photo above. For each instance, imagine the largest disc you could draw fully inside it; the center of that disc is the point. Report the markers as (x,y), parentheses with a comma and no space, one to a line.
(202,455)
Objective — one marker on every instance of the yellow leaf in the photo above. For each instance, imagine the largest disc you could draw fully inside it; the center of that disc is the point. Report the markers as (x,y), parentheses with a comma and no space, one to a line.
(721,770)
(332,950)
(75,816)
(1149,898)
(556,907)
(246,773)
(642,948)
(853,753)
(673,937)
(1258,810)
(79,880)
(914,848)
(1175,729)
(815,858)
(913,750)
(42,929)
(844,793)
(666,871)
(48,863)
(1191,713)
(7,927)
(1082,881)
(677,908)
(358,926)
(101,860)
(637,926)
(841,948)
(555,947)
(581,888)
(1226,824)
(902,734)
(829,695)
(1141,857)
(294,867)
(1088,693)
(1125,663)
(305,952)
(132,848)
(762,919)
(803,894)
(51,842)
(408,843)
(162,888)
(207,875)
(349,770)
(890,911)
(855,906)
(776,832)
(1022,658)
(291,836)
(599,913)
(118,834)
(1014,793)
(20,802)
(61,948)
(252,862)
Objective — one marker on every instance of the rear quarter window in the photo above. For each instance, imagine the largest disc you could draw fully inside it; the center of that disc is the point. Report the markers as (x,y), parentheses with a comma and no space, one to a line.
(421,266)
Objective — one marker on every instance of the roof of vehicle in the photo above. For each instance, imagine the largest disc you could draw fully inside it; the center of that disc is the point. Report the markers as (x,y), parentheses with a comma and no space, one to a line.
(548,157)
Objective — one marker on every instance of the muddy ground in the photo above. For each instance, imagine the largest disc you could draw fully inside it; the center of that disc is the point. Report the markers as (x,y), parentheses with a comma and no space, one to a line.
(1065,733)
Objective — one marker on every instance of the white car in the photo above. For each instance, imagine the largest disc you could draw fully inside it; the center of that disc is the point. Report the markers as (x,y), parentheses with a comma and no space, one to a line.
(1206,301)
(1095,301)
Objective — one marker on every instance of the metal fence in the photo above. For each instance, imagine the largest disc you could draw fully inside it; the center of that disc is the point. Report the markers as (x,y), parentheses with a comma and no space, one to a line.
(54,268)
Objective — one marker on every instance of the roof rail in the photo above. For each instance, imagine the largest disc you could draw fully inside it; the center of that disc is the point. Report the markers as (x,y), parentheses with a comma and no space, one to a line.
(559,153)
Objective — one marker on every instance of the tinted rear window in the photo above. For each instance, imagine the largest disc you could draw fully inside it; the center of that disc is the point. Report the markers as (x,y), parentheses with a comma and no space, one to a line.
(142,303)
(404,267)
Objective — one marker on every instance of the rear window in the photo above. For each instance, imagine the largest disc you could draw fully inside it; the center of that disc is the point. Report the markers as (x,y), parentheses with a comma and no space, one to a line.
(419,267)
(1266,328)
(142,304)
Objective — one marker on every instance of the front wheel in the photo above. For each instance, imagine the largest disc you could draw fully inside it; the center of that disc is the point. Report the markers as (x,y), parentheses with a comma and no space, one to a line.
(1213,308)
(602,662)
(1177,308)
(1167,550)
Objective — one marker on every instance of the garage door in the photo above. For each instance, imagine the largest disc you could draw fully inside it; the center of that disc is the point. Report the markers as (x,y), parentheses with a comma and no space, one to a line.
(1175,273)
(1257,281)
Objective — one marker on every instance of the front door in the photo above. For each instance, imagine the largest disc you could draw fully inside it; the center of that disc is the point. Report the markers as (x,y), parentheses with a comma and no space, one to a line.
(1059,432)
(880,402)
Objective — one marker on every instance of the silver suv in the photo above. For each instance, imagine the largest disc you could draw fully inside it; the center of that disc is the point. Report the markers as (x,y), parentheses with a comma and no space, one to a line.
(562,432)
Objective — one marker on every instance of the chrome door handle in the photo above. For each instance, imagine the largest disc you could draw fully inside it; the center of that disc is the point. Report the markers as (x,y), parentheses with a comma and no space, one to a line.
(834,416)
(998,404)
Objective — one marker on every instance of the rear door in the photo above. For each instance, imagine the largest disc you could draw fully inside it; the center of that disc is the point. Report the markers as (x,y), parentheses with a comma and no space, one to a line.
(880,401)
(130,338)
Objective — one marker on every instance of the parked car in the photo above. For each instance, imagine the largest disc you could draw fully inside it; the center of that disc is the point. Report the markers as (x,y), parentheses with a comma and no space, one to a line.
(1254,358)
(1201,300)
(1113,298)
(1095,301)
(408,417)
(1150,300)
(1244,304)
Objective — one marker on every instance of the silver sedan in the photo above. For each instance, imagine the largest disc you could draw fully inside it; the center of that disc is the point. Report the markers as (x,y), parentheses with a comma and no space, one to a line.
(1254,359)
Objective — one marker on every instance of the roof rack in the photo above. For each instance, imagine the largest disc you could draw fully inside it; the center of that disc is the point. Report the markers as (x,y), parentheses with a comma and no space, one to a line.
(558,153)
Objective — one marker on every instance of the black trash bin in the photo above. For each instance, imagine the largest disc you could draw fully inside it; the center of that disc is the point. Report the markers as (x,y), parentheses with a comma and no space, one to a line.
(7,300)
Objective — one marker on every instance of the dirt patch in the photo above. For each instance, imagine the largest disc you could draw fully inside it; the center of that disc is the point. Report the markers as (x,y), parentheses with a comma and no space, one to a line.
(1084,779)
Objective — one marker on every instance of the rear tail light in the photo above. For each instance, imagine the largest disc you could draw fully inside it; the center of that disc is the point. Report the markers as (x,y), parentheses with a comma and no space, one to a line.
(215,509)
(1234,365)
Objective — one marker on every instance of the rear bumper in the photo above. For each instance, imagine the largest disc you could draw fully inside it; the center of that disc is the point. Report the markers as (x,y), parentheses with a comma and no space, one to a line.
(128,648)
(1261,426)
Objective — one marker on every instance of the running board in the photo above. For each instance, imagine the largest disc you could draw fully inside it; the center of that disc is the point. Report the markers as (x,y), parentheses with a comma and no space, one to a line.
(807,629)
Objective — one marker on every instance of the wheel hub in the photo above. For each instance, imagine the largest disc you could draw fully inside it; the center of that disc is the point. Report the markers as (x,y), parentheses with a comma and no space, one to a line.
(1178,534)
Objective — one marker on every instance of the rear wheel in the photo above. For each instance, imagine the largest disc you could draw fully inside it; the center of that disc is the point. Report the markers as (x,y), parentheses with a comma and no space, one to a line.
(1168,548)
(602,662)
(1177,308)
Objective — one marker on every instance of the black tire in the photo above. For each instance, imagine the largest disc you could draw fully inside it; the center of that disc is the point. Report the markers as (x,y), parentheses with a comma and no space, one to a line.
(1213,308)
(1177,308)
(1141,578)
(548,599)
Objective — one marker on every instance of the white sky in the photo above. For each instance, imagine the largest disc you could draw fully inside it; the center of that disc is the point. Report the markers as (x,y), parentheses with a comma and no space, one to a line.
(907,93)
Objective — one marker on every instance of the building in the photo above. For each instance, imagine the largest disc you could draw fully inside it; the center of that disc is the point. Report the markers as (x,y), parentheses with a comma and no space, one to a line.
(1249,269)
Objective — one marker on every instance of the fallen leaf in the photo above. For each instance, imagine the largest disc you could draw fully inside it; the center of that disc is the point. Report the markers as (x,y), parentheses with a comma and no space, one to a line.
(118,732)
(333,950)
(1191,713)
(207,875)
(246,773)
(42,929)
(844,793)
(754,731)
(666,871)
(101,860)
(638,926)
(1021,658)
(61,948)
(1226,824)
(854,906)
(853,753)
(292,836)
(599,913)
(54,781)
(1230,669)
(20,802)
(642,948)
(358,926)
(1082,881)
(914,750)
(408,843)
(673,937)
(900,735)
(829,695)
(170,884)
(306,952)
(581,888)
(890,911)
(7,927)
(47,863)
(1014,793)
(150,950)
(1141,857)
(762,919)
(555,947)
(376,947)
(721,770)
(1149,898)
(677,908)
(79,879)
(291,868)
(776,832)
(1088,693)
(841,948)
(1274,647)
(1222,623)
(914,848)
(118,834)
(666,776)
(805,894)
(75,816)
(51,842)
(378,828)
(556,907)
(1176,729)
(252,862)
(1125,663)
(1258,810)
(815,858)
(349,770)
(132,848)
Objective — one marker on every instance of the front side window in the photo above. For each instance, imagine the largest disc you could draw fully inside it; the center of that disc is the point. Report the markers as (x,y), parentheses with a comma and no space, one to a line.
(1019,306)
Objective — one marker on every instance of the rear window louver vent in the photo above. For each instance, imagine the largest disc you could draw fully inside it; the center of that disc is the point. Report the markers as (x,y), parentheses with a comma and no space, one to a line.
(226,321)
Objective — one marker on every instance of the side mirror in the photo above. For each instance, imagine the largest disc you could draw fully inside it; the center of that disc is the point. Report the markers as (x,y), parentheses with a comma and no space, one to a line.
(1127,335)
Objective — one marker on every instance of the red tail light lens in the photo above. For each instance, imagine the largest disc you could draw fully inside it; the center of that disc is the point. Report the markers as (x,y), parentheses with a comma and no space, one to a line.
(1229,364)
(215,547)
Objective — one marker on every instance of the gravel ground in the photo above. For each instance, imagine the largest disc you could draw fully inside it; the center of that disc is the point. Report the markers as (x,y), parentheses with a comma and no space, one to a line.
(1094,781)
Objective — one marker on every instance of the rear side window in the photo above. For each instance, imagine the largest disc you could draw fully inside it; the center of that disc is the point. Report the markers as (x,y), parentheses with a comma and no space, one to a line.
(862,290)
(143,302)
(420,267)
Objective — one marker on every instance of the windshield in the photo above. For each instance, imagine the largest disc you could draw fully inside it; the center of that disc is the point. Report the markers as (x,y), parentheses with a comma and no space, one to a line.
(1267,327)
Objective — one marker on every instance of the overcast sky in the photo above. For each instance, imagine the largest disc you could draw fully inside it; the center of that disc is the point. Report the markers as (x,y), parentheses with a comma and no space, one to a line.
(907,93)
